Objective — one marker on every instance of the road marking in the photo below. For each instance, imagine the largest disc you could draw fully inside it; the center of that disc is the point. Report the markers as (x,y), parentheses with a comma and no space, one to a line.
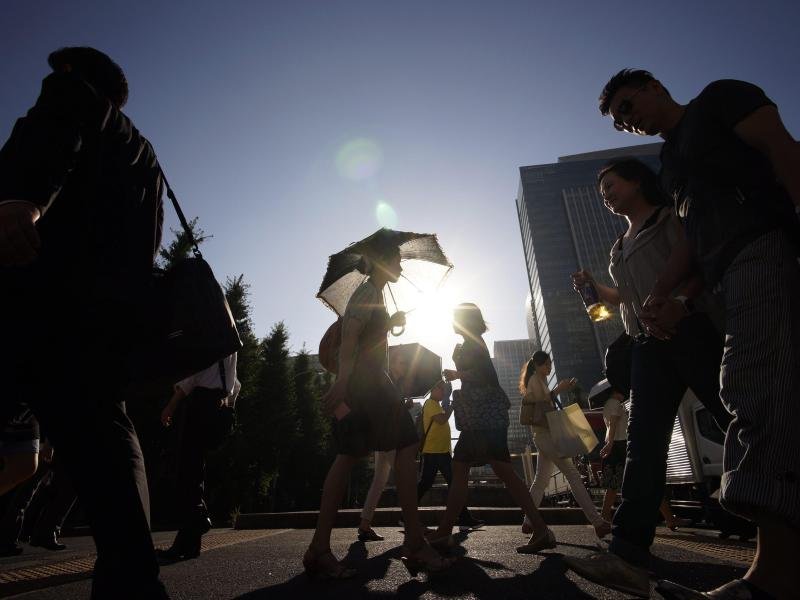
(26,579)
(725,550)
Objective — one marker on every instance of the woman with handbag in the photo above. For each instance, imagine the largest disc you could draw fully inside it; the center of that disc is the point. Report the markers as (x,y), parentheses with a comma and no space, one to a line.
(481,411)
(371,415)
(661,370)
(537,401)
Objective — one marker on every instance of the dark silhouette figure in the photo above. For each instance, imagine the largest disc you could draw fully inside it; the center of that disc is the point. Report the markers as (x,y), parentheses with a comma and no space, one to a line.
(80,216)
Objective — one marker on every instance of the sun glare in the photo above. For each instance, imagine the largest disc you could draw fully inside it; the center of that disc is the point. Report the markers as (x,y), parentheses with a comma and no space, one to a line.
(430,322)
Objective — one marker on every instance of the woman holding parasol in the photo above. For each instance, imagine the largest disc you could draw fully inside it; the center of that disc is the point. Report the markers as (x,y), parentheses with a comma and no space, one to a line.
(370,413)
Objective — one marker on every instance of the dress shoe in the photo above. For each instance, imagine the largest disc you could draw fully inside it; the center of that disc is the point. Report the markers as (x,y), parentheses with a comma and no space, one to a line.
(613,572)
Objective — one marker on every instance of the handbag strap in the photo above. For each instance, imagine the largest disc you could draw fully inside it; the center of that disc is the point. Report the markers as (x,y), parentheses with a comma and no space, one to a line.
(427,431)
(556,401)
(181,217)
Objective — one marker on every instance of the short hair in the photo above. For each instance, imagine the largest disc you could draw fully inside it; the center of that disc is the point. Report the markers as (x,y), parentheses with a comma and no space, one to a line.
(625,77)
(96,68)
(470,319)
(631,169)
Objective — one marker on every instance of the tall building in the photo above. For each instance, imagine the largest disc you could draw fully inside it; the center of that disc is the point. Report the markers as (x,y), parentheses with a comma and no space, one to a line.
(565,227)
(509,356)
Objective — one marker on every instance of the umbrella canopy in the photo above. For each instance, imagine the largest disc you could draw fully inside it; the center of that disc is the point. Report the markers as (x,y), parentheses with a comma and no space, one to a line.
(425,267)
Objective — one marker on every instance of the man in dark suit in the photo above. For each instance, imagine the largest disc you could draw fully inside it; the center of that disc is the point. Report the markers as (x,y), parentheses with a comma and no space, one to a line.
(80,223)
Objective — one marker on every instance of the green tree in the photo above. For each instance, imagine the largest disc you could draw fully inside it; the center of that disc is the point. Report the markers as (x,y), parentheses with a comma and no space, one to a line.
(229,468)
(268,425)
(181,245)
(312,447)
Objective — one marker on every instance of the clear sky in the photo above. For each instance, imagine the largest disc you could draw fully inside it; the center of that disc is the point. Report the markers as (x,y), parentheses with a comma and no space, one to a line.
(284,125)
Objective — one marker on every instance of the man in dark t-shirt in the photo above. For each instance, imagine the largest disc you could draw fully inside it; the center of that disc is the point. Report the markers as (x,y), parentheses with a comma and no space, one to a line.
(733,172)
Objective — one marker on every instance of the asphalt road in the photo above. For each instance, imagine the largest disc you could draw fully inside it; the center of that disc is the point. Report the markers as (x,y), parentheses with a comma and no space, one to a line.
(266,564)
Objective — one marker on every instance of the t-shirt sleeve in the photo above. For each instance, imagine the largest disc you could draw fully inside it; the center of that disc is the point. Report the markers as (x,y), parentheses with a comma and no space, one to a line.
(362,303)
(430,410)
(729,101)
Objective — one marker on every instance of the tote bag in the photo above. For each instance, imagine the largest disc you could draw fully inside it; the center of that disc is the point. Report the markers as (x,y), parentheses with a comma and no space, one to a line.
(570,431)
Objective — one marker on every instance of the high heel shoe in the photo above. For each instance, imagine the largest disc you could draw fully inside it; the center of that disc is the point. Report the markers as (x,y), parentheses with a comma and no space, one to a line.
(324,565)
(424,559)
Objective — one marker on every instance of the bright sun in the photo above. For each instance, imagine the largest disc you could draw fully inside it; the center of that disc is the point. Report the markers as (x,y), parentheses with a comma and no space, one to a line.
(429,322)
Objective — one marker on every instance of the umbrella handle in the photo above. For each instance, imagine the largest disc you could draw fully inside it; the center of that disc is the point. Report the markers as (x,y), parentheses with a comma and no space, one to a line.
(399,333)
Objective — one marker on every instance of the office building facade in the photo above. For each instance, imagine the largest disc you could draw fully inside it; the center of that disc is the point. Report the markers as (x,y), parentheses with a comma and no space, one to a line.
(509,356)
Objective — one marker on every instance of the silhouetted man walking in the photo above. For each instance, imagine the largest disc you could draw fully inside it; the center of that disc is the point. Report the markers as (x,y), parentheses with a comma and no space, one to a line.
(80,223)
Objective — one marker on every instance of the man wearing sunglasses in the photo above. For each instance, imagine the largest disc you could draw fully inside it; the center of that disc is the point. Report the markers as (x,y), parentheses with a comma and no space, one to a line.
(733,172)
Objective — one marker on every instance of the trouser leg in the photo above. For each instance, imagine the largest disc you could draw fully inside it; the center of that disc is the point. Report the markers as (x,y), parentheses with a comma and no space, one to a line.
(429,467)
(761,381)
(656,392)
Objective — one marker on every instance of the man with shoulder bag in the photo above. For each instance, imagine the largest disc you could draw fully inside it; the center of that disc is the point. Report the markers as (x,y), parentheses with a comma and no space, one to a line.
(80,225)
(203,408)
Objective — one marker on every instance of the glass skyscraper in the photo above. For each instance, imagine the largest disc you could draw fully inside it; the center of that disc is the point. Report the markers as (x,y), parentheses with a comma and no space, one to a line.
(566,227)
(509,357)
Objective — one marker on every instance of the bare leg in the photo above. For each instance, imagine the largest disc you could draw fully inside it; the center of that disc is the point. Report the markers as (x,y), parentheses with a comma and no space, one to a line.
(774,567)
(608,504)
(332,492)
(405,473)
(456,498)
(383,466)
(520,494)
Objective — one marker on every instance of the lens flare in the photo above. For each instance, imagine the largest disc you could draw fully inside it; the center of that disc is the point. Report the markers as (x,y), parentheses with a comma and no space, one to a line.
(386,215)
(359,159)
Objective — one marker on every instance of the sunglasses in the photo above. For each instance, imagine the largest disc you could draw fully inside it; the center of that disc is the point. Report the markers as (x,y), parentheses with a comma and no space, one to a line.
(624,109)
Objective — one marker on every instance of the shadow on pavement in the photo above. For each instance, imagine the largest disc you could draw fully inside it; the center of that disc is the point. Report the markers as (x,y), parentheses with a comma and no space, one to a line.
(698,575)
(476,578)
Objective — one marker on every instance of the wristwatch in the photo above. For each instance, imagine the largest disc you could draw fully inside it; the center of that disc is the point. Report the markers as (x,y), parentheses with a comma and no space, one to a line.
(688,303)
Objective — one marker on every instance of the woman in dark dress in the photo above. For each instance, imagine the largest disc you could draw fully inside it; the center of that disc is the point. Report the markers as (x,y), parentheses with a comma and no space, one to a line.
(482,417)
(371,415)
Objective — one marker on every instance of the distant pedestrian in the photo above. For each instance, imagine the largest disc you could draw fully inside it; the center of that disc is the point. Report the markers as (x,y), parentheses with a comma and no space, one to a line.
(534,388)
(198,404)
(435,456)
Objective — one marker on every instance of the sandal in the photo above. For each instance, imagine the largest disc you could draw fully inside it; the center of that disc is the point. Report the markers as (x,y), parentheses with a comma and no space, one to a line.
(426,559)
(324,565)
